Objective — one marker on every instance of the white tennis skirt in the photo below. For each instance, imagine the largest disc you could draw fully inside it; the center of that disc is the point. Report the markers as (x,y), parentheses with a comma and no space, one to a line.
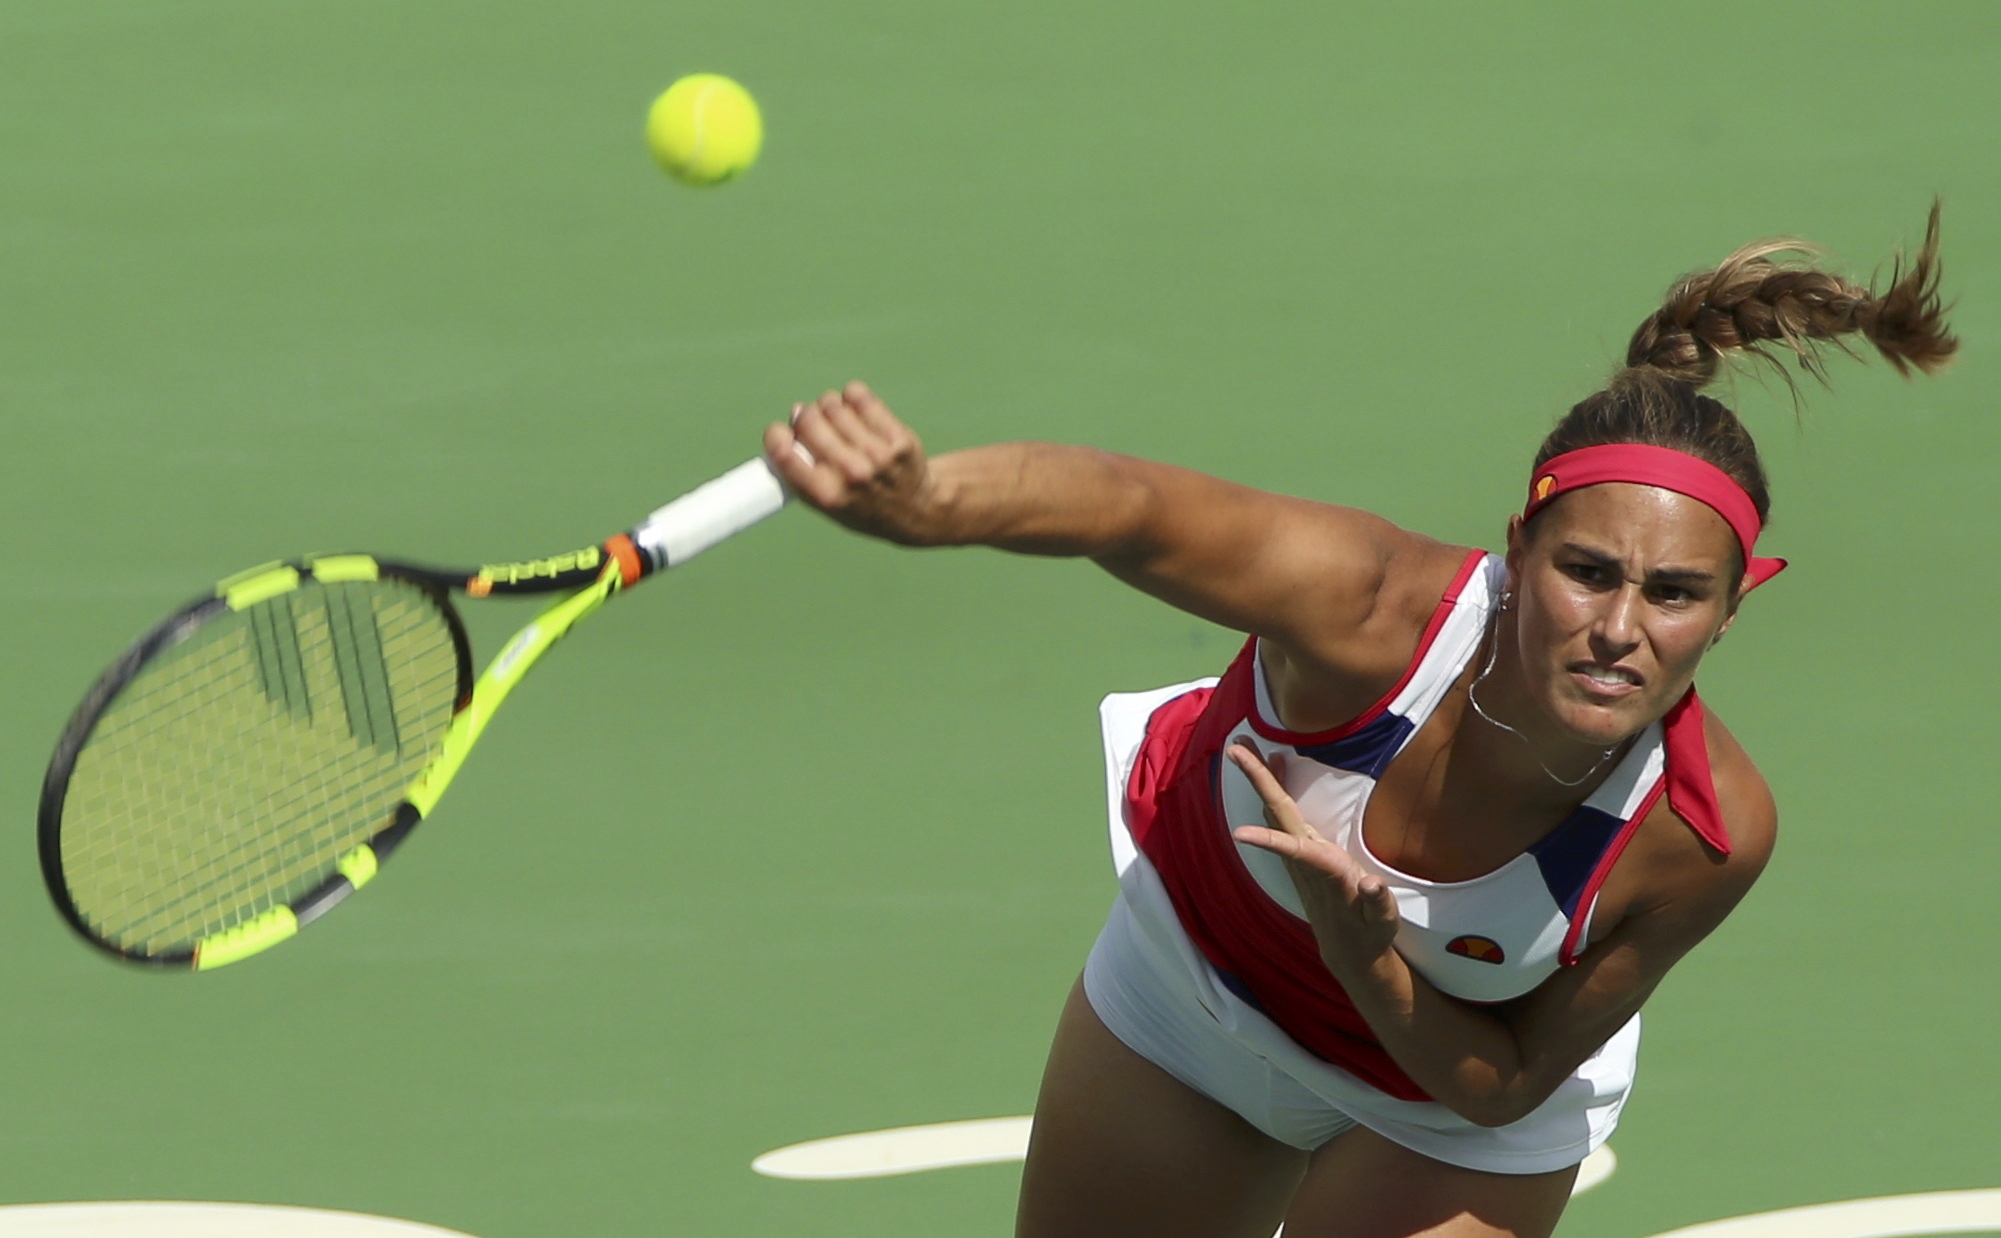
(1153,989)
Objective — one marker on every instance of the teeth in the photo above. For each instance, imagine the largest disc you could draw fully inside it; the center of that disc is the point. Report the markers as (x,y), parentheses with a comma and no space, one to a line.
(1609,675)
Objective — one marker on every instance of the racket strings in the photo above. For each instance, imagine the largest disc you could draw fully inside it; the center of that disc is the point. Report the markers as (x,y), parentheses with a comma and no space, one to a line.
(216,869)
(236,768)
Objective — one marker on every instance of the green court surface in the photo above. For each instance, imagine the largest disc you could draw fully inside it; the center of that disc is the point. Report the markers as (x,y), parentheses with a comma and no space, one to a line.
(809,839)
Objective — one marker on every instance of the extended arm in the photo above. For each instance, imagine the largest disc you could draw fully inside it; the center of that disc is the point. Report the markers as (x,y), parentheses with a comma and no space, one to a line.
(1307,575)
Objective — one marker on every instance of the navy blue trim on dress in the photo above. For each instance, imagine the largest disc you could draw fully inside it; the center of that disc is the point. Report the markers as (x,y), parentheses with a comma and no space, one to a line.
(1568,854)
(1367,751)
(1235,984)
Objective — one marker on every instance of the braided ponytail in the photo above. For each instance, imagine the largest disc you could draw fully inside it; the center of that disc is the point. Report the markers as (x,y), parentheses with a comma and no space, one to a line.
(1752,303)
(1751,299)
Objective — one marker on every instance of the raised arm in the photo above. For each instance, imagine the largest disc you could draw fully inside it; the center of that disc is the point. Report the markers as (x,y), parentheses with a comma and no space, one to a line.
(1306,575)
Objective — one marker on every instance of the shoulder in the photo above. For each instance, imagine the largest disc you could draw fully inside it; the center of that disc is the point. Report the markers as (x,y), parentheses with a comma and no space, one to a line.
(1415,574)
(1418,577)
(1673,877)
(1749,811)
(1328,675)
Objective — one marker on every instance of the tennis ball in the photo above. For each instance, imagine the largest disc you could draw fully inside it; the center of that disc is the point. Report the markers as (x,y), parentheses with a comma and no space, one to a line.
(705,129)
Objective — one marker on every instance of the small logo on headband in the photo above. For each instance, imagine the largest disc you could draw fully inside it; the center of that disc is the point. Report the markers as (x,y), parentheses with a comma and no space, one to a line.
(1544,485)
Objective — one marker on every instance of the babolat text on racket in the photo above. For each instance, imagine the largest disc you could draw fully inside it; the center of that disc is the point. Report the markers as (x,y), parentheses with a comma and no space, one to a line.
(254,758)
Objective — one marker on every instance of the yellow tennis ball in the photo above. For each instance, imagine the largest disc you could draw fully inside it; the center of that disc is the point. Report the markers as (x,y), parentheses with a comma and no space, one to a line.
(705,129)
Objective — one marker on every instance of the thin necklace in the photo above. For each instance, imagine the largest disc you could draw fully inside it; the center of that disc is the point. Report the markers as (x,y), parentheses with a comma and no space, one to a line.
(1473,700)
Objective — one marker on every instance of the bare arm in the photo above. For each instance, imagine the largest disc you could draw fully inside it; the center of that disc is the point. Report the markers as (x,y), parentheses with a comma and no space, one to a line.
(1494,1065)
(1307,575)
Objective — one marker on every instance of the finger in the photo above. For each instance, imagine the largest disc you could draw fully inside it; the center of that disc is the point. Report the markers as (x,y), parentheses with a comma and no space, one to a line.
(1341,883)
(1279,807)
(1323,857)
(896,444)
(796,465)
(1379,902)
(799,448)
(819,486)
(825,439)
(840,415)
(859,435)
(876,416)
(1278,842)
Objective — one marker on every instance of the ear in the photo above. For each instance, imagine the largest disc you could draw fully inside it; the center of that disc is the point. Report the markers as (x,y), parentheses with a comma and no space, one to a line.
(1731,618)
(1517,549)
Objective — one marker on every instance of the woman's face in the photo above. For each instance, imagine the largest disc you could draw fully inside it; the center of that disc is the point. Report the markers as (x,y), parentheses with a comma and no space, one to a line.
(1620,590)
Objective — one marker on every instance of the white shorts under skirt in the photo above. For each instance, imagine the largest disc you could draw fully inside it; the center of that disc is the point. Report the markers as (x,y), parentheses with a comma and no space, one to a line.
(1152,988)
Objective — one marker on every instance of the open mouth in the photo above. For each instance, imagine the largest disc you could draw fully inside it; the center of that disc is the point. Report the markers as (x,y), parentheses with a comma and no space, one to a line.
(1603,680)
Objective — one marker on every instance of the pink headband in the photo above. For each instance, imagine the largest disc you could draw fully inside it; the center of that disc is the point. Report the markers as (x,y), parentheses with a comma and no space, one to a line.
(1669,469)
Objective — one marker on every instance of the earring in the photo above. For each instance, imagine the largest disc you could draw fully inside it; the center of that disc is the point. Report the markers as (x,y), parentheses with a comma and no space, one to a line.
(1507,598)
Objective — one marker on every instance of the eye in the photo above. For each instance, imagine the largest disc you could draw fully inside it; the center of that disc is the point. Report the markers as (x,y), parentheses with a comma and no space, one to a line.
(1676,597)
(1586,572)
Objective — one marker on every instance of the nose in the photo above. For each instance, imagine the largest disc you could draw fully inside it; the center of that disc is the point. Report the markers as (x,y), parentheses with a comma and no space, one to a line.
(1618,627)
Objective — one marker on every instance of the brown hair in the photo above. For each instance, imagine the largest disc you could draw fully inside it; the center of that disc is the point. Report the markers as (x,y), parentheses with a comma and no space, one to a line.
(1752,300)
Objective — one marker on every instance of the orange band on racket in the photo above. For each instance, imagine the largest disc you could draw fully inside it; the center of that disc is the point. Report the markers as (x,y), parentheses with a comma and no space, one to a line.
(630,565)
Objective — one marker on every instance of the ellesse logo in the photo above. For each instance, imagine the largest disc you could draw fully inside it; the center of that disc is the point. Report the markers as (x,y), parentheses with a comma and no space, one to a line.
(1480,949)
(1544,485)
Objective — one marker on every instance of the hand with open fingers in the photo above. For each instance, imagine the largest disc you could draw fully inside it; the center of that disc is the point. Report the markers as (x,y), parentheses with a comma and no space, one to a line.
(849,456)
(1353,914)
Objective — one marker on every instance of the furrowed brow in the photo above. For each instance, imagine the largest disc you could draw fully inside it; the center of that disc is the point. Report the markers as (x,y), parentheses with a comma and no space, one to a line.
(1660,575)
(1682,576)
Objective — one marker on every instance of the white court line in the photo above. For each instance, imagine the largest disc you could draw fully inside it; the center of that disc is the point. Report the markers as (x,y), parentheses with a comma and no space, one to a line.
(983,1141)
(1597,1167)
(902,1150)
(1888,1216)
(162,1219)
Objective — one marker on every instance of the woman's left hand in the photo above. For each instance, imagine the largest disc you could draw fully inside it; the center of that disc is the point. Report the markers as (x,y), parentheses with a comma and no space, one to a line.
(1353,914)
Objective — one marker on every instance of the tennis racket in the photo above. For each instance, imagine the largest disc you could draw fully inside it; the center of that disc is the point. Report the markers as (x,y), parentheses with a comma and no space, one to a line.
(254,758)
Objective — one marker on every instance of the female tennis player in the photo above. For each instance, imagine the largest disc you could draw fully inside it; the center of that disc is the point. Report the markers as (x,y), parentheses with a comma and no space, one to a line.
(1394,888)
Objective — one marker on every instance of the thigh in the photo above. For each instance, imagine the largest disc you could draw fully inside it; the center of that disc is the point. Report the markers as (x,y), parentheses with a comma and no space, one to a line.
(1362,1185)
(1122,1149)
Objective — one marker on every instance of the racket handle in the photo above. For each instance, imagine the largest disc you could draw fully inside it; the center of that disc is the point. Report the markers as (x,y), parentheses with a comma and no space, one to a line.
(710,513)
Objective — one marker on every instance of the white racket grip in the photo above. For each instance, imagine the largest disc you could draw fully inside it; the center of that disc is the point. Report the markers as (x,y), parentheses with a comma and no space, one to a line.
(710,513)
